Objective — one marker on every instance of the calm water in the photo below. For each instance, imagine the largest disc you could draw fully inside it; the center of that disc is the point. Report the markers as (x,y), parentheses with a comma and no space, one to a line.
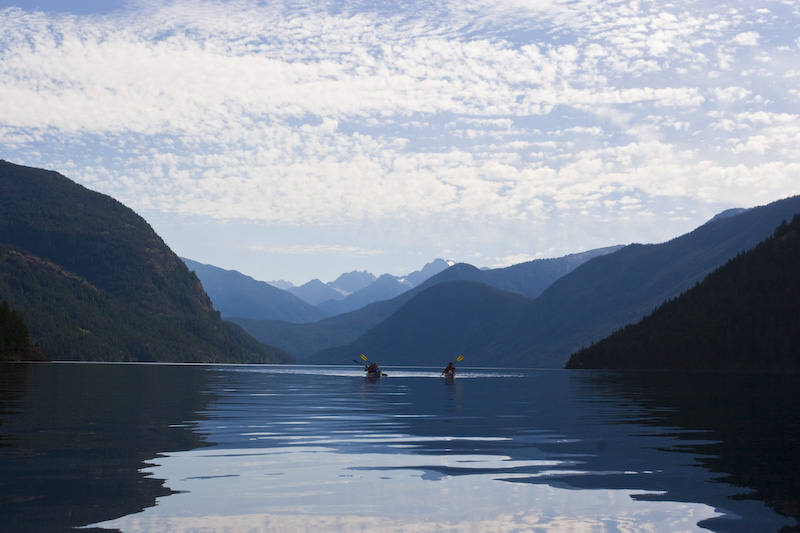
(298,448)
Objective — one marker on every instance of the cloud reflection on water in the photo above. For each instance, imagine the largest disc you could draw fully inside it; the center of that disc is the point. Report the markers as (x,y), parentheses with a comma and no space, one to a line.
(314,488)
(556,451)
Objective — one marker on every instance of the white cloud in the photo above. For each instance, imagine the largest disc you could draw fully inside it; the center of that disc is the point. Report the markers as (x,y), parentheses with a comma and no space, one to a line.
(748,38)
(502,262)
(757,144)
(310,249)
(305,116)
(766,117)
(731,94)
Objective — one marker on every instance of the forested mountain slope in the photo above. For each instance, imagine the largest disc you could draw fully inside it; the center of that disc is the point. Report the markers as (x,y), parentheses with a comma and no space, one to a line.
(745,316)
(93,281)
(437,325)
(614,290)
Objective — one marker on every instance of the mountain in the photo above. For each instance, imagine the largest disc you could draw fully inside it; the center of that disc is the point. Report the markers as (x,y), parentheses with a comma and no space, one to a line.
(93,281)
(468,311)
(745,316)
(281,284)
(729,213)
(305,340)
(237,295)
(354,290)
(315,292)
(234,294)
(429,270)
(385,287)
(610,291)
(533,277)
(352,281)
(583,306)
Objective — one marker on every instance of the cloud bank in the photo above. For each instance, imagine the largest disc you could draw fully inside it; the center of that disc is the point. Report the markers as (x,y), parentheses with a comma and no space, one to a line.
(462,114)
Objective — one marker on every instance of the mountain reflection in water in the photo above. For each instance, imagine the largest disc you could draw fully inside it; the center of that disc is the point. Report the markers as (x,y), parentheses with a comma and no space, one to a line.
(294,448)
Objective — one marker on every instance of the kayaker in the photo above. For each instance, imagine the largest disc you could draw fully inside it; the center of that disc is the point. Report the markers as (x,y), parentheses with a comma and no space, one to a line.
(372,368)
(451,369)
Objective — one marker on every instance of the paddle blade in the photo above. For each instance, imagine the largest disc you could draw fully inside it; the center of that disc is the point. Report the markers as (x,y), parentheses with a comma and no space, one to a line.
(364,357)
(460,357)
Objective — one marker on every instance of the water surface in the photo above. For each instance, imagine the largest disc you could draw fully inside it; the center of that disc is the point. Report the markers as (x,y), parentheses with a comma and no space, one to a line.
(298,448)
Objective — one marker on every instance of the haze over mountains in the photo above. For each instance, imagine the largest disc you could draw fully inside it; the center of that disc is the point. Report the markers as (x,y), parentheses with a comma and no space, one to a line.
(376,302)
(237,295)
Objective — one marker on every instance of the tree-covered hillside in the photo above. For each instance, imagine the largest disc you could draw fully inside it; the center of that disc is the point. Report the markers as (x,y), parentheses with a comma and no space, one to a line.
(608,292)
(436,325)
(93,281)
(15,338)
(745,316)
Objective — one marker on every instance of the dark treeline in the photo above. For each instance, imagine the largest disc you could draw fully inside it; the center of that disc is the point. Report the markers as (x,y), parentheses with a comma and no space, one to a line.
(745,316)
(15,339)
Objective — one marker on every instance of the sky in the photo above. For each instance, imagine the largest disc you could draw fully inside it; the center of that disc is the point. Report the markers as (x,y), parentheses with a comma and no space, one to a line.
(293,140)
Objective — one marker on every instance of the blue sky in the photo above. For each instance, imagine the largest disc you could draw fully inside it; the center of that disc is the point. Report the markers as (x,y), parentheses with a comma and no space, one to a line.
(297,140)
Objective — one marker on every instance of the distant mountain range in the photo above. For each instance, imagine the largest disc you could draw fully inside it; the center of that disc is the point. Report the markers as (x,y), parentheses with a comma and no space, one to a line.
(236,295)
(92,280)
(745,316)
(306,340)
(578,308)
(316,292)
(384,287)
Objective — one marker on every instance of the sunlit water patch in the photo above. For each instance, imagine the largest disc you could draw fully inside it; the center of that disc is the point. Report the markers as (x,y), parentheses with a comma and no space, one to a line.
(315,488)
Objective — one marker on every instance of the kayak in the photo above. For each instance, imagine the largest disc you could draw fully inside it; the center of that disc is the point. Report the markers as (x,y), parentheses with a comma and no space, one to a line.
(449,376)
(373,375)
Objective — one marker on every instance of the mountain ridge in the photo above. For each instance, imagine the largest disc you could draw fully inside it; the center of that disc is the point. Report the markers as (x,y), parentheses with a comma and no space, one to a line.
(599,296)
(236,294)
(304,340)
(465,308)
(744,316)
(93,281)
(353,290)
(579,309)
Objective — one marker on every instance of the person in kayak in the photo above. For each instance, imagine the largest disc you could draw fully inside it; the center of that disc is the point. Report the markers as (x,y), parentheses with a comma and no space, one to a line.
(450,370)
(372,368)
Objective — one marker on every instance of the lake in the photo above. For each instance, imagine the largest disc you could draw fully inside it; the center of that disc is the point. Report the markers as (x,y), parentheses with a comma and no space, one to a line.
(204,448)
